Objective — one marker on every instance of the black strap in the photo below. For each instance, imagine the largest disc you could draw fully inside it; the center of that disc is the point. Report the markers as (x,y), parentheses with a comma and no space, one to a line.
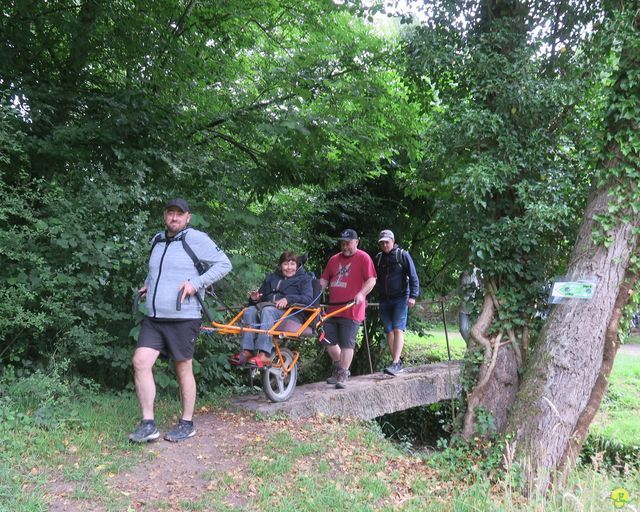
(401,259)
(197,262)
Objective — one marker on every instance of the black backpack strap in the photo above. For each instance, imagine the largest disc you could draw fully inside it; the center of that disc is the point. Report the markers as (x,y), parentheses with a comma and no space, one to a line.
(189,250)
(402,255)
(200,265)
(159,237)
(401,259)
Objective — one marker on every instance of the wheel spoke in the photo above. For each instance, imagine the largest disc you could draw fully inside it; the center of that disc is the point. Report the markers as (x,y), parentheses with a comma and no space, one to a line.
(278,384)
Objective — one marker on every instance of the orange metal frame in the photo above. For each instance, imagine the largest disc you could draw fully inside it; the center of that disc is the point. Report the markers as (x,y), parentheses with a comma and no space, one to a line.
(277,334)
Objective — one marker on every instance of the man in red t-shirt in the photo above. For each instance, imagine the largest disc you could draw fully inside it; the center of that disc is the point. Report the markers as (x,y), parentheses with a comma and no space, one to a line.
(350,275)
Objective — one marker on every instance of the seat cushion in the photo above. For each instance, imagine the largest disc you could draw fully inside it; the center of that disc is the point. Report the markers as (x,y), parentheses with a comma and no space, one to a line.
(292,325)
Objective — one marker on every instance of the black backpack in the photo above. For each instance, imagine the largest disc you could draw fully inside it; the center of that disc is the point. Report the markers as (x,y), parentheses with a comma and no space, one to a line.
(400,259)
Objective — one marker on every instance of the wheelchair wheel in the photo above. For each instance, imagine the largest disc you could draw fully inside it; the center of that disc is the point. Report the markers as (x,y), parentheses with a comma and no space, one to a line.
(277,385)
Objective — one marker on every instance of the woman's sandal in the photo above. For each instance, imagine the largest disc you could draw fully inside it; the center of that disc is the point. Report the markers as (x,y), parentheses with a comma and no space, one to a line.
(239,359)
(258,362)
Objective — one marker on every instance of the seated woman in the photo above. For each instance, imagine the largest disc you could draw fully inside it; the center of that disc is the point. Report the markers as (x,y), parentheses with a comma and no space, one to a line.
(286,286)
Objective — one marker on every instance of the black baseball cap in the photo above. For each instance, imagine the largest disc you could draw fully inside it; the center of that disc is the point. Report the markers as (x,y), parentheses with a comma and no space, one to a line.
(348,234)
(178,202)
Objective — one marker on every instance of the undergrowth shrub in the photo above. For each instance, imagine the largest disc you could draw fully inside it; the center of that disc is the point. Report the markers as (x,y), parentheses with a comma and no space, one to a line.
(40,399)
(610,453)
(476,460)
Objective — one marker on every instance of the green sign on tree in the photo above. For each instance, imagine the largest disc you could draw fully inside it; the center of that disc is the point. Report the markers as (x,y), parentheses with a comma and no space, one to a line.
(573,290)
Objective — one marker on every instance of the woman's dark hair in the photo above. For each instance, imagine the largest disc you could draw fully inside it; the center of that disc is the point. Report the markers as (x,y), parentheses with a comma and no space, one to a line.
(288,256)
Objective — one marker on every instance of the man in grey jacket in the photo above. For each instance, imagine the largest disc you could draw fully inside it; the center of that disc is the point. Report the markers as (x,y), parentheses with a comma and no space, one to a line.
(166,330)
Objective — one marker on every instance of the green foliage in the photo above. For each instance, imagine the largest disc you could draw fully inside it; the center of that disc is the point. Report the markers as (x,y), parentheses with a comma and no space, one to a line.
(501,146)
(473,461)
(484,421)
(610,453)
(471,370)
(617,103)
(106,112)
(40,400)
(211,366)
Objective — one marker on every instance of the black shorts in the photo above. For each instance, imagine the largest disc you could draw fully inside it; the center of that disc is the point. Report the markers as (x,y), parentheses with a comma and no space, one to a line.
(175,339)
(341,331)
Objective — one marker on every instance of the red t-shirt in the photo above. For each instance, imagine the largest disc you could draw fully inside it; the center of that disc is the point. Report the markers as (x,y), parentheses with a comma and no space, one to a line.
(345,278)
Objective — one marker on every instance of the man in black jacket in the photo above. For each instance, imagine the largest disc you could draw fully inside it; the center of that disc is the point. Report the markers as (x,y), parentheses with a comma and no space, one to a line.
(398,288)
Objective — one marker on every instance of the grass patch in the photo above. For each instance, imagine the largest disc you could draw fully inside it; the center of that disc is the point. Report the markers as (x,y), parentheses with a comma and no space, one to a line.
(53,428)
(322,464)
(433,347)
(633,340)
(85,453)
(619,415)
(354,472)
(614,435)
(61,438)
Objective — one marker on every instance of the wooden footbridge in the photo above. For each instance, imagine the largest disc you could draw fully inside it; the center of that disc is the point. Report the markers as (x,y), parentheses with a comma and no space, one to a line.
(366,396)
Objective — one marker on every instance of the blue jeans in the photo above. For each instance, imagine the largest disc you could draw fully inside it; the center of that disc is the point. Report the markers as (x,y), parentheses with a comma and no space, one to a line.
(393,313)
(265,320)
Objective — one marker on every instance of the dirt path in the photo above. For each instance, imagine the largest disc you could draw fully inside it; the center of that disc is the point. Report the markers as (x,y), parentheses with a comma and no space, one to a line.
(172,475)
(630,349)
(177,473)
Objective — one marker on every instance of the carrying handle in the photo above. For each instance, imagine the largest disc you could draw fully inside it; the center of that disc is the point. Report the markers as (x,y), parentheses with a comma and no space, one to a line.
(136,303)
(204,307)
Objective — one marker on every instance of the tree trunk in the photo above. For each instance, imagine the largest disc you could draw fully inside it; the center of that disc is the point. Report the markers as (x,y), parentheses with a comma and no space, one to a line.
(570,365)
(497,383)
(558,392)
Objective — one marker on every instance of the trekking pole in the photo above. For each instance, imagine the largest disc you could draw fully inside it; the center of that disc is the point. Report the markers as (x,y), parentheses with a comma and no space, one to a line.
(446,337)
(213,293)
(446,334)
(366,339)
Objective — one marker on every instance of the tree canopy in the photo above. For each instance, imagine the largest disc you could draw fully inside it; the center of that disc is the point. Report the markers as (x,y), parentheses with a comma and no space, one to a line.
(107,112)
(477,132)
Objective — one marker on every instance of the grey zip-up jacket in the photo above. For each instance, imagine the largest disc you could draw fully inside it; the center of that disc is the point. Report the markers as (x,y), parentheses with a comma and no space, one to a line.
(170,266)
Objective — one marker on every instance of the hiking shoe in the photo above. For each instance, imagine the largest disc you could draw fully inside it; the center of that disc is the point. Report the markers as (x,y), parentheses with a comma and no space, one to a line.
(183,430)
(394,369)
(334,375)
(147,431)
(341,378)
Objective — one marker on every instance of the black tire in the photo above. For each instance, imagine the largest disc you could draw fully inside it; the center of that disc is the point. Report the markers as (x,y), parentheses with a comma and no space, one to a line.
(276,385)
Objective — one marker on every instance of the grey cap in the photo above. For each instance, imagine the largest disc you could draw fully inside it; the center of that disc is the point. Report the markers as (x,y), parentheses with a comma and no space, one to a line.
(178,202)
(386,235)
(348,234)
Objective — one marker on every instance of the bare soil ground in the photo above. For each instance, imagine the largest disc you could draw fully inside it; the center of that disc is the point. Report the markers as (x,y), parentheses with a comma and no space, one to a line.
(174,474)
(631,349)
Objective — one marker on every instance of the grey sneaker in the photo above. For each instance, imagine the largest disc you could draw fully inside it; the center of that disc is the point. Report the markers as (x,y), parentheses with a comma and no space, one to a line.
(183,430)
(147,431)
(334,375)
(394,369)
(341,378)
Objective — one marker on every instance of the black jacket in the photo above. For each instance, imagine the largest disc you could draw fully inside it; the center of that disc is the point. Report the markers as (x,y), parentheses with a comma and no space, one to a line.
(297,288)
(397,276)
